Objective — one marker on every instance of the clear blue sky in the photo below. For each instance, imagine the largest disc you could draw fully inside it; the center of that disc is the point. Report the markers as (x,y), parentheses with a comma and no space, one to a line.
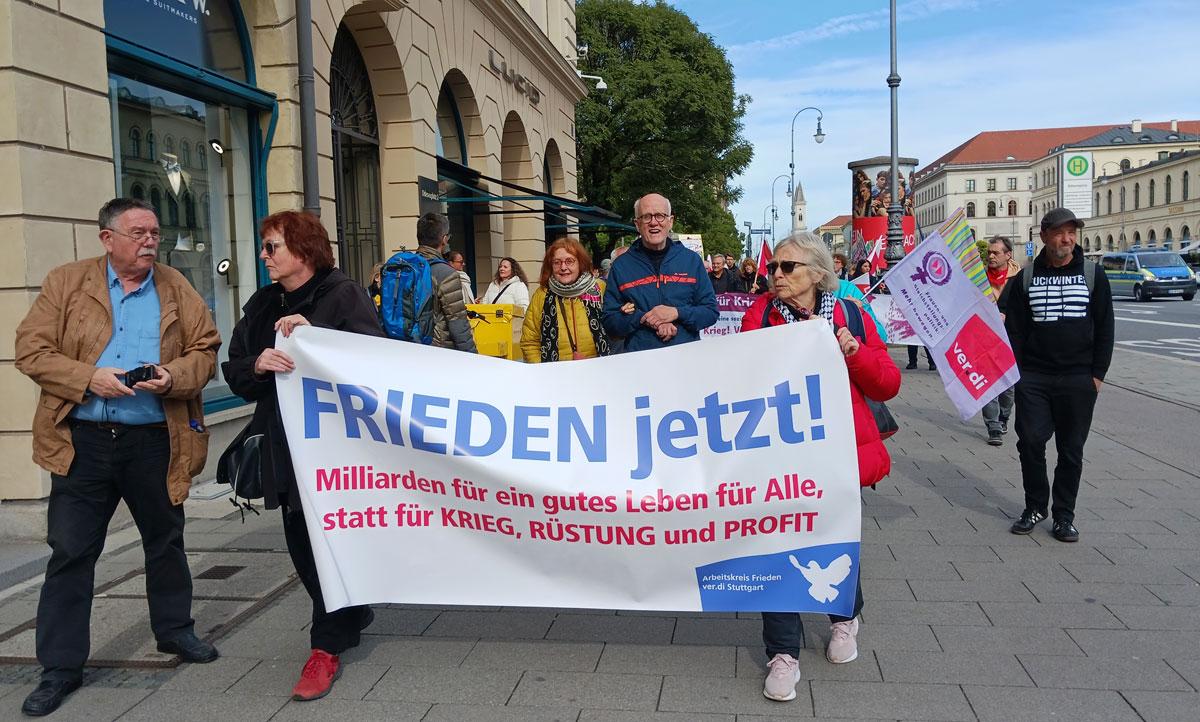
(967,66)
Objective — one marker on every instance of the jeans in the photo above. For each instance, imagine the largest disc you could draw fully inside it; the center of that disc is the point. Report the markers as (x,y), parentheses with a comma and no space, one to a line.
(783,632)
(998,410)
(332,632)
(127,463)
(1058,406)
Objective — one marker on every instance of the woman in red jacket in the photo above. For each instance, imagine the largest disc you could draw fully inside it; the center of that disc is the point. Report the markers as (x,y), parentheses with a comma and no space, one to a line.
(802,283)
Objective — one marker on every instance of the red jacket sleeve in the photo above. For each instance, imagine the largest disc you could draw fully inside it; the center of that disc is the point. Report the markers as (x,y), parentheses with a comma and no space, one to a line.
(871,367)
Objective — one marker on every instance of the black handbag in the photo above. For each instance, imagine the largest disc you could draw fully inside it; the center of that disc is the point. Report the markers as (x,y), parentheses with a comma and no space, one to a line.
(240,466)
(884,421)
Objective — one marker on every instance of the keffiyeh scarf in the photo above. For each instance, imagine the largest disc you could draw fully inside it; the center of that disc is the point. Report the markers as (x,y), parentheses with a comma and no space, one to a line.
(586,288)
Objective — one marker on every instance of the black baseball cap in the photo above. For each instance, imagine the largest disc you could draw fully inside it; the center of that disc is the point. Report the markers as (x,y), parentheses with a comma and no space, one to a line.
(1059,217)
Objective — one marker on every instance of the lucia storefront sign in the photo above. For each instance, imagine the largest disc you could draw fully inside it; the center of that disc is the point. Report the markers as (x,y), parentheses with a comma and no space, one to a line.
(522,84)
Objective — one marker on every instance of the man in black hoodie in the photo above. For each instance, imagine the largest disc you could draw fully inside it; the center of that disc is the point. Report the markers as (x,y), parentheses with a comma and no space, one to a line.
(1060,321)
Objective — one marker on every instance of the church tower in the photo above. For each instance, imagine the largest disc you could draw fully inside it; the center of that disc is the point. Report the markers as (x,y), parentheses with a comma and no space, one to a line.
(799,209)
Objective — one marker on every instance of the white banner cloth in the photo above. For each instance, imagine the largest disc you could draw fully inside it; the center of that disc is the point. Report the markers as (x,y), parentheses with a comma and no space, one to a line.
(961,326)
(432,476)
(732,308)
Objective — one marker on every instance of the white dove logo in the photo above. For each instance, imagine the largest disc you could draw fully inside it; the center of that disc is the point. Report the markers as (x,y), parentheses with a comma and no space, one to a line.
(822,582)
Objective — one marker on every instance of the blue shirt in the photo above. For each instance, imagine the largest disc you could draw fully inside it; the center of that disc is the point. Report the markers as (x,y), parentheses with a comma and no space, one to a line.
(135,342)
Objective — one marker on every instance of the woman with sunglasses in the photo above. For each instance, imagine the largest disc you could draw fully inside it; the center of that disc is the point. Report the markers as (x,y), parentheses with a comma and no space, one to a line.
(563,320)
(803,284)
(306,291)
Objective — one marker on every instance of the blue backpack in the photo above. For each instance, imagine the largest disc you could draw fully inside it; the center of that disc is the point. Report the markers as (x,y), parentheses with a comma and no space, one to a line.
(405,297)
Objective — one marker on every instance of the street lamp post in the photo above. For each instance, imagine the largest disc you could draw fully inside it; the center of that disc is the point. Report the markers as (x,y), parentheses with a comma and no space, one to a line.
(1104,181)
(819,136)
(776,215)
(895,211)
(749,238)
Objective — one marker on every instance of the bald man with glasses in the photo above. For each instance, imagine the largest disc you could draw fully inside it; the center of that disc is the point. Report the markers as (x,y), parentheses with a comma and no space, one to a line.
(662,281)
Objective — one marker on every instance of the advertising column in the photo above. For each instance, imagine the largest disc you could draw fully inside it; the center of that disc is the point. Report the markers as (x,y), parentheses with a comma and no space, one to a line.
(869,201)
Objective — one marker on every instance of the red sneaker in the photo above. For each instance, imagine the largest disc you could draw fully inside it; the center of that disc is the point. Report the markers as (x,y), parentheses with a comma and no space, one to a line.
(320,672)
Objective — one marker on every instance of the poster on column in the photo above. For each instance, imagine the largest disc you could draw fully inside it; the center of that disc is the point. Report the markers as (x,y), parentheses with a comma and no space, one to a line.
(431,476)
(961,327)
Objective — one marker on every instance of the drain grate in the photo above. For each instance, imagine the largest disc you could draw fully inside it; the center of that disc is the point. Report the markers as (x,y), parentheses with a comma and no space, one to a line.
(220,571)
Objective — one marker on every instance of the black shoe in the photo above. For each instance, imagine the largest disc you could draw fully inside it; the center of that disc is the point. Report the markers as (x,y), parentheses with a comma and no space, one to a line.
(1065,531)
(995,438)
(1029,519)
(367,617)
(1003,426)
(49,694)
(932,367)
(911,366)
(190,648)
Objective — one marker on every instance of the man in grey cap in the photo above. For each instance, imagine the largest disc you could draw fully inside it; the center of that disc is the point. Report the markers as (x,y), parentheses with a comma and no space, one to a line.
(1060,321)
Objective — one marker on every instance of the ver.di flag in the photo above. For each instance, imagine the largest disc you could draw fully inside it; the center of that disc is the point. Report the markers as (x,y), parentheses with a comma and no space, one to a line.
(430,476)
(961,327)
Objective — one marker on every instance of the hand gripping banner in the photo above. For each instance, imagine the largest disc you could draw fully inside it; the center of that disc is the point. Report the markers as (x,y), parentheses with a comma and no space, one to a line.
(655,480)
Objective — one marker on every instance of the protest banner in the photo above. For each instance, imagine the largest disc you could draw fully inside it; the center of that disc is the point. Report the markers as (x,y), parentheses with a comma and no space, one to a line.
(431,476)
(899,331)
(961,327)
(732,307)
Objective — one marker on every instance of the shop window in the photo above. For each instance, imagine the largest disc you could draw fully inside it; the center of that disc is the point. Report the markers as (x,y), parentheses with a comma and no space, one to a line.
(169,71)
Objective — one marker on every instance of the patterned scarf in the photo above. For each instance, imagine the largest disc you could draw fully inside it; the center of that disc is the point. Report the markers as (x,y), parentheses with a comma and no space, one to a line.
(825,304)
(587,289)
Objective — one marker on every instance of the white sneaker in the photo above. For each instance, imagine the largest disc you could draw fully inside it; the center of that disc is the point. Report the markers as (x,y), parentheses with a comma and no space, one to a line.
(843,642)
(782,678)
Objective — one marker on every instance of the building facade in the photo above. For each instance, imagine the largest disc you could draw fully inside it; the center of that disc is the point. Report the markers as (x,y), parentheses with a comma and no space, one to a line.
(1162,207)
(1007,180)
(465,107)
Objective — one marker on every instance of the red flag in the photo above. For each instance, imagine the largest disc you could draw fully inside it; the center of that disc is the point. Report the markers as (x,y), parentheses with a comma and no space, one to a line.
(863,283)
(764,257)
(877,255)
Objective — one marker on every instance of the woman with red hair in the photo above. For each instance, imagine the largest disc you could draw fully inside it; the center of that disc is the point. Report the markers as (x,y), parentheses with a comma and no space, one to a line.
(563,319)
(306,291)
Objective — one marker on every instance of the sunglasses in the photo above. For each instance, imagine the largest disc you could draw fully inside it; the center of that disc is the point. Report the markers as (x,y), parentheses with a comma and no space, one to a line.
(787,266)
(270,247)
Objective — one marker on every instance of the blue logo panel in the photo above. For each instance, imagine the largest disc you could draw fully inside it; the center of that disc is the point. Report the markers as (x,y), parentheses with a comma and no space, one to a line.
(817,579)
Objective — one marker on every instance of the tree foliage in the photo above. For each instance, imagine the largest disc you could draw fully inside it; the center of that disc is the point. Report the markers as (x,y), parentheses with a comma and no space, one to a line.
(669,122)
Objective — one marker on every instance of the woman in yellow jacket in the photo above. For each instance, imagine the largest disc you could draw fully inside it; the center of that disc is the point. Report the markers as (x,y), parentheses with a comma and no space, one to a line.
(563,319)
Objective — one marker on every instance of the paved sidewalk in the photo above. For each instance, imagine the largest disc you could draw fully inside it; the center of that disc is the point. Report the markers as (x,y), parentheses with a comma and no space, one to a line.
(963,621)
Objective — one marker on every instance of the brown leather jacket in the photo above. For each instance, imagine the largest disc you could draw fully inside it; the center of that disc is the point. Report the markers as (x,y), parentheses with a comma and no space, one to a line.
(64,334)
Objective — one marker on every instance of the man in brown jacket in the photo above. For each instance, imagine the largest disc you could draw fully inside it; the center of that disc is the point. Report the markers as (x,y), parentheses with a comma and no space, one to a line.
(105,436)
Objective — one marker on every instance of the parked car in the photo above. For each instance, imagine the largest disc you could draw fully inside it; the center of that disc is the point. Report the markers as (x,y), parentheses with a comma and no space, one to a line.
(1146,273)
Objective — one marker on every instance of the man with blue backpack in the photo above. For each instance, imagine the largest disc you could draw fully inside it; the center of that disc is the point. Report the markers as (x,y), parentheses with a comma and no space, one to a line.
(420,295)
(658,293)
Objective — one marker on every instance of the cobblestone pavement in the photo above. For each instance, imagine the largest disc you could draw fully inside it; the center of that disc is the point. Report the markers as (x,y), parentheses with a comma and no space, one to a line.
(963,621)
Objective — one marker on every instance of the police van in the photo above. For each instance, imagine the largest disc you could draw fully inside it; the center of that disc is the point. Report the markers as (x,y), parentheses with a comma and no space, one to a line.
(1145,273)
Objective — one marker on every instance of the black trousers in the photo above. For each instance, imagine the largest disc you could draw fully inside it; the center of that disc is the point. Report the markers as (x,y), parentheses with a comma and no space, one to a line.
(783,632)
(332,632)
(912,356)
(129,463)
(1058,406)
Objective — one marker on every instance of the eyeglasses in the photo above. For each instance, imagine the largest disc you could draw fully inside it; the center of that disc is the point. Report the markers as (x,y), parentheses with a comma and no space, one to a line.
(563,262)
(140,236)
(656,217)
(787,266)
(269,247)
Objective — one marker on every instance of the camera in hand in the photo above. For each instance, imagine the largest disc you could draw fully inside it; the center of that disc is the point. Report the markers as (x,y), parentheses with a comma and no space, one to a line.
(139,374)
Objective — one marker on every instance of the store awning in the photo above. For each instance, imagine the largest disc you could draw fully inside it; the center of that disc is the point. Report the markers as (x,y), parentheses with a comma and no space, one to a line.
(566,214)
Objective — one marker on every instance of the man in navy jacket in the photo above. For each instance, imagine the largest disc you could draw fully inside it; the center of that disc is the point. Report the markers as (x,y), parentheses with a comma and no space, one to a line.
(666,283)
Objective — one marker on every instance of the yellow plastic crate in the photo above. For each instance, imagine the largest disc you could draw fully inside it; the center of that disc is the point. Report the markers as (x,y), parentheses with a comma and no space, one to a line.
(492,326)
